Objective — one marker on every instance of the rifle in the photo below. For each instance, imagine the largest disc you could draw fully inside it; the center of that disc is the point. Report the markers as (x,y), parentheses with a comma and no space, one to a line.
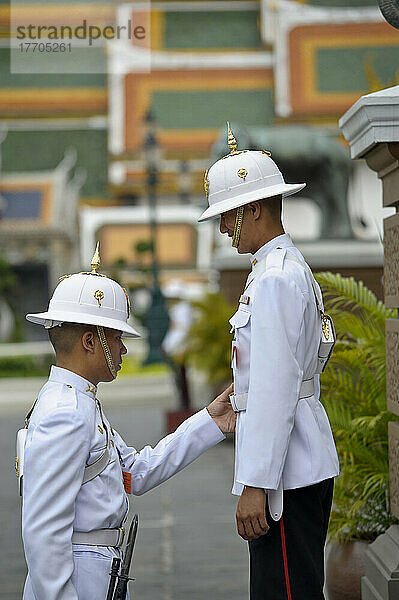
(123,578)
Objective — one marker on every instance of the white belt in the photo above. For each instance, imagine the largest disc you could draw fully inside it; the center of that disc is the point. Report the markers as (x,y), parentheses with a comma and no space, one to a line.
(99,537)
(239,401)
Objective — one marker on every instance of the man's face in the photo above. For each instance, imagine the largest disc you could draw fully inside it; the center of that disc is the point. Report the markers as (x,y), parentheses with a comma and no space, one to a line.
(117,350)
(227,223)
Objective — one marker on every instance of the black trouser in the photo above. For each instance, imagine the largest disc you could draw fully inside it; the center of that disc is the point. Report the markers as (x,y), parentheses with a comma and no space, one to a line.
(288,562)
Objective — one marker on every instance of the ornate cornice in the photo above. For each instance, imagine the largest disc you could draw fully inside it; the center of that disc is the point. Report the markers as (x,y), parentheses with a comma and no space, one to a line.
(373,119)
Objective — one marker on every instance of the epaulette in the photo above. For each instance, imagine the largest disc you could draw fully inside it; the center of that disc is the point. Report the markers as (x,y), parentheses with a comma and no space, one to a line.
(276,258)
(67,397)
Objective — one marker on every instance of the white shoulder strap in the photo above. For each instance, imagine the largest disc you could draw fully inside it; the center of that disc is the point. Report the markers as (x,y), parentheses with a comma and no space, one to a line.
(98,466)
(316,289)
(273,259)
(276,259)
(91,471)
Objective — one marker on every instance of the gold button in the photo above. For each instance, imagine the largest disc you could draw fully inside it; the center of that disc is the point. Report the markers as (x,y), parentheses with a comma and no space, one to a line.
(69,386)
(100,429)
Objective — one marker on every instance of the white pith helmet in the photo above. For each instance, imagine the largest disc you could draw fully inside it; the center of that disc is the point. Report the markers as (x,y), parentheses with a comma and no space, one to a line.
(90,299)
(241,177)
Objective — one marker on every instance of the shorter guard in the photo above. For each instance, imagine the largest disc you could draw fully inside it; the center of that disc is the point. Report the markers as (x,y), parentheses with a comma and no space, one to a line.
(285,456)
(75,470)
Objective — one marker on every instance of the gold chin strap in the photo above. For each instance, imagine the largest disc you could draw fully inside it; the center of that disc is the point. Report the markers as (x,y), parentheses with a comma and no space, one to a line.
(237,227)
(107,352)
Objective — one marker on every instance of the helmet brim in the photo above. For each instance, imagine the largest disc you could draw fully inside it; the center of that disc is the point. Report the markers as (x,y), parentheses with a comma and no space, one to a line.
(54,315)
(285,189)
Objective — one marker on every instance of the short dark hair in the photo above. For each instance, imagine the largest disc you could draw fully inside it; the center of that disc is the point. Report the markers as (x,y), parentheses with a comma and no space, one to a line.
(65,336)
(274,205)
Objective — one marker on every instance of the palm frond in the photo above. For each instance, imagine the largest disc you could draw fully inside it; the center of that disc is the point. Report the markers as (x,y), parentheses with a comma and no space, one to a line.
(345,293)
(354,395)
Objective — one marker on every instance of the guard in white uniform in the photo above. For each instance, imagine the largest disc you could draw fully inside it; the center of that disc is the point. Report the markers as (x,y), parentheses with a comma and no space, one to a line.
(285,454)
(75,470)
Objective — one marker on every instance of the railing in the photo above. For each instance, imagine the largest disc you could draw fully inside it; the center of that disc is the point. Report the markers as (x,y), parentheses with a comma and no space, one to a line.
(136,347)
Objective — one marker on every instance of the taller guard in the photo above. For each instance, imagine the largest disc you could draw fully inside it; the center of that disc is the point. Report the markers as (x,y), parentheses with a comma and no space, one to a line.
(77,470)
(285,456)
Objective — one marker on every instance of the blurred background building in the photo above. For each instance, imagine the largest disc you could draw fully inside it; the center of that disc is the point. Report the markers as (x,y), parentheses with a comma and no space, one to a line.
(119,155)
(114,148)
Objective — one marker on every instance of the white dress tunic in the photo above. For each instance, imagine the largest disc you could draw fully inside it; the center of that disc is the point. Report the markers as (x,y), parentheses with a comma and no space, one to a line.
(281,442)
(66,432)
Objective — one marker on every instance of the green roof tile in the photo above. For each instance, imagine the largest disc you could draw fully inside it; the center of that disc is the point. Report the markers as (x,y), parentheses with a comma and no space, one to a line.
(210,109)
(24,151)
(211,29)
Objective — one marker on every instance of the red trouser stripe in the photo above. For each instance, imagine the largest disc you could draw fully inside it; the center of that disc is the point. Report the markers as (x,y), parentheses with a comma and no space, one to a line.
(284,549)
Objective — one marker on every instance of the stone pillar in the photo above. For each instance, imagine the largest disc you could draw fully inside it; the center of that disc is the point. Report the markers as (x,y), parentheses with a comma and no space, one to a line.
(371,127)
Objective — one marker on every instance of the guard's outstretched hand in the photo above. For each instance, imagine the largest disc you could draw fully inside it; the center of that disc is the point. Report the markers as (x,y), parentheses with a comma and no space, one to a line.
(251,514)
(221,411)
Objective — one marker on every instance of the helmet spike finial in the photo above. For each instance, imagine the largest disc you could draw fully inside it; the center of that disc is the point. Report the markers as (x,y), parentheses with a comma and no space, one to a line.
(231,140)
(95,261)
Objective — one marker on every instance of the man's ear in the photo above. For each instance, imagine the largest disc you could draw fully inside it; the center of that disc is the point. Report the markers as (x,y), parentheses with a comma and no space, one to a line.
(88,341)
(254,209)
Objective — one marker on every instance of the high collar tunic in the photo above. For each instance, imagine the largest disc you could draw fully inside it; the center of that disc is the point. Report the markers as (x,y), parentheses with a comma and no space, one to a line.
(282,442)
(67,431)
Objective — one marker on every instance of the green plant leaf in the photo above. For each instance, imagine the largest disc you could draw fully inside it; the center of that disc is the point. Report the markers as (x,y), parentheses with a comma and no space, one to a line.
(209,339)
(354,395)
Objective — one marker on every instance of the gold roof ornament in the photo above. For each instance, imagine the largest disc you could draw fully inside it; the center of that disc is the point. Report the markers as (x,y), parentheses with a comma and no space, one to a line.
(95,261)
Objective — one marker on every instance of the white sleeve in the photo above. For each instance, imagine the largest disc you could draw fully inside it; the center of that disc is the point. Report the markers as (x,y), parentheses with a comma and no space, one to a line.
(274,381)
(55,458)
(152,466)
